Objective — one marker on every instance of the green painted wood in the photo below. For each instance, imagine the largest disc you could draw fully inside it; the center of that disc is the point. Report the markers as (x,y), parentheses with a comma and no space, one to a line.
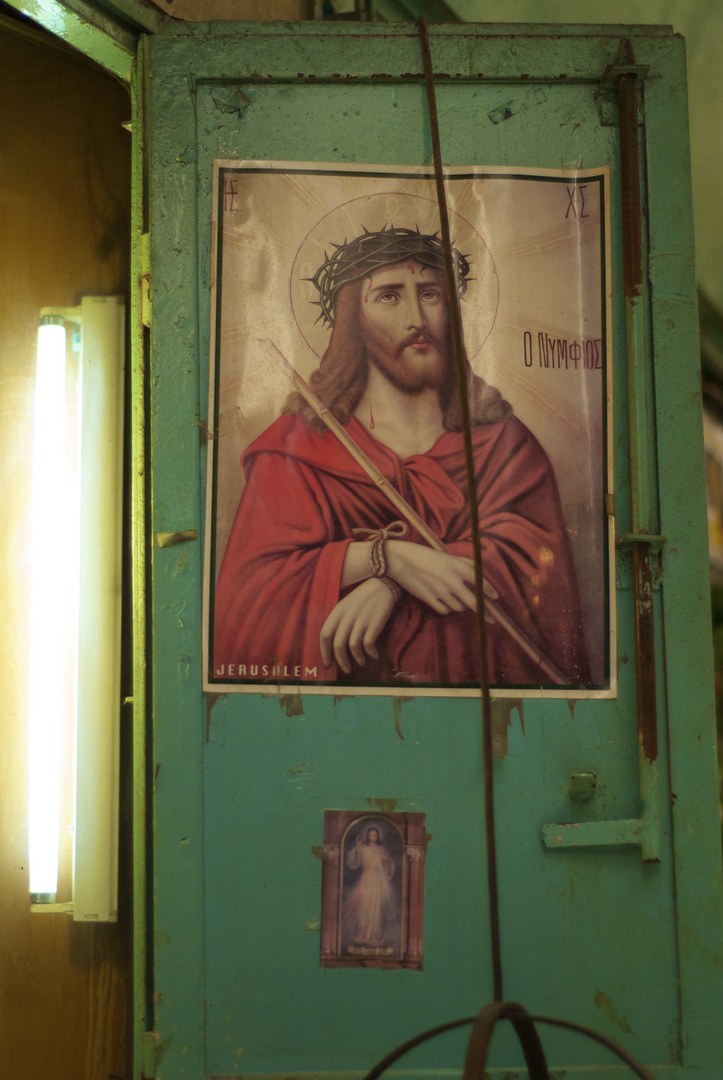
(178,894)
(87,27)
(686,581)
(335,52)
(591,935)
(142,1018)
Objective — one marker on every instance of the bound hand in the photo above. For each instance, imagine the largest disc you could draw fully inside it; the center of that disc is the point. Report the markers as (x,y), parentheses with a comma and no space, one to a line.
(355,623)
(438,578)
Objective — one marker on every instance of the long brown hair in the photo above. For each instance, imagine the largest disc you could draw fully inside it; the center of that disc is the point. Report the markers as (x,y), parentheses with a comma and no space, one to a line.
(341,378)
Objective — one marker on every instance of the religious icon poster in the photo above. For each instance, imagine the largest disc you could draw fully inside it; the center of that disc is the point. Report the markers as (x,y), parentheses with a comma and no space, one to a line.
(372,889)
(338,555)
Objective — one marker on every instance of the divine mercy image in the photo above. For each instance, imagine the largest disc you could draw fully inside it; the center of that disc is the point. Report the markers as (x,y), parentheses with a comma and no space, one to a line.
(372,889)
(371,895)
(338,543)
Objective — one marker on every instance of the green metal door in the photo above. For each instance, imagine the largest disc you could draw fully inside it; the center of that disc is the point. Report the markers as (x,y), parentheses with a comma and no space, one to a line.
(613,921)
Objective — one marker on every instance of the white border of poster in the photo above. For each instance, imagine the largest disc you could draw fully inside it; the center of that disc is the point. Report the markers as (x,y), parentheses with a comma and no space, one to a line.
(536,309)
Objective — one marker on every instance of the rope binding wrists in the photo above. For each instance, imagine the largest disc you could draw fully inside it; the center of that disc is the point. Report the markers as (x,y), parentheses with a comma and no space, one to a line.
(377,557)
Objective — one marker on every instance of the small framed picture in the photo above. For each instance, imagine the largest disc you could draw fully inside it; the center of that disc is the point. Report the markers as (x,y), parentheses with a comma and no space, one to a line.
(372,889)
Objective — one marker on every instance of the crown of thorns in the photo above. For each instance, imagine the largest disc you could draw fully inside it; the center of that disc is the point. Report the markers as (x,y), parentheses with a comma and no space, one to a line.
(360,257)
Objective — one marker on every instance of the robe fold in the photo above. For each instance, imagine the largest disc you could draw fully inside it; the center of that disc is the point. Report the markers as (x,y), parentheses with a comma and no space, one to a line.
(304,496)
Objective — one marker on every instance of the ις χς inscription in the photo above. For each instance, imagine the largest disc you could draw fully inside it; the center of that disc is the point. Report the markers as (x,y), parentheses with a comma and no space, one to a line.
(576,202)
(230,191)
(562,354)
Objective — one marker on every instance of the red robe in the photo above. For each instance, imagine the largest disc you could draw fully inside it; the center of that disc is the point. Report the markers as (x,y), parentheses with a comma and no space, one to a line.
(305,494)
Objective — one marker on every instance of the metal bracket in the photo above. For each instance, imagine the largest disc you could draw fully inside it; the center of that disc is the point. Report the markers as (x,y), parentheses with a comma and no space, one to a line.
(601,834)
(626,539)
(612,72)
(607,100)
(168,539)
(583,786)
(45,909)
(643,831)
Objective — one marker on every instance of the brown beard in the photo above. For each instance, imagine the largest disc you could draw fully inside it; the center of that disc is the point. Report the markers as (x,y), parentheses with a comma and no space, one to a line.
(340,379)
(415,374)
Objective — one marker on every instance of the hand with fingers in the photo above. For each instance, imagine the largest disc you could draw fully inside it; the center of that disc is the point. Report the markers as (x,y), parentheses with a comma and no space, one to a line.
(355,623)
(443,581)
(440,579)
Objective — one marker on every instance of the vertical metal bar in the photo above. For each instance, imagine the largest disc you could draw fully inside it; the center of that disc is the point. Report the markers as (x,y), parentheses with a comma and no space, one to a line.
(459,355)
(639,470)
(637,406)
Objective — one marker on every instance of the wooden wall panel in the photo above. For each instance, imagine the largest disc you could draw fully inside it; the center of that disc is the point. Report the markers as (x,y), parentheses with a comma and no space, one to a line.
(64,232)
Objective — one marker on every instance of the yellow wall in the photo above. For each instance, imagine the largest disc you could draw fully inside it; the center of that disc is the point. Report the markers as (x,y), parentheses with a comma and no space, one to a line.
(701,23)
(64,231)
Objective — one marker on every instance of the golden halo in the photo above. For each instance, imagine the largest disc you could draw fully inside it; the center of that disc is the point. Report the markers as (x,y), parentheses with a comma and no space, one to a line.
(373,212)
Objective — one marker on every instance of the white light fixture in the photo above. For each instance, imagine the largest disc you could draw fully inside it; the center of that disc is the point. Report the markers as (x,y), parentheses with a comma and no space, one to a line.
(75,606)
(50,610)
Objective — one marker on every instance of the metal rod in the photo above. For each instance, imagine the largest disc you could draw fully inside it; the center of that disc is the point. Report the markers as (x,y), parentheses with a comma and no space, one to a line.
(625,1056)
(637,410)
(459,354)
